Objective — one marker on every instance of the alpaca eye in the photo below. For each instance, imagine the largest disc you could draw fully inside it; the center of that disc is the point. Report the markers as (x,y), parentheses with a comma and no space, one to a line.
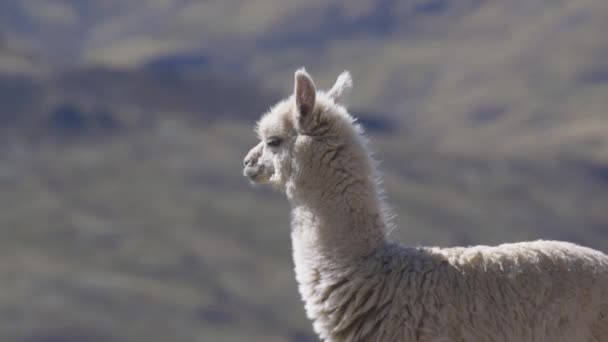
(274,142)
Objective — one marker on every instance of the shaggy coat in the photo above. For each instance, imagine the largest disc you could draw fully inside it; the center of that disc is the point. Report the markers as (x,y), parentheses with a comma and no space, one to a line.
(358,286)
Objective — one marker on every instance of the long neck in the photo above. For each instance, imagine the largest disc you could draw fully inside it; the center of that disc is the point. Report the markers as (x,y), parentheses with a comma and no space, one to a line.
(337,214)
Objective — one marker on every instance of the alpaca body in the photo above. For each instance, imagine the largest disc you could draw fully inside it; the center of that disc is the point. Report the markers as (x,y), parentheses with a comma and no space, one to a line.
(358,286)
(534,291)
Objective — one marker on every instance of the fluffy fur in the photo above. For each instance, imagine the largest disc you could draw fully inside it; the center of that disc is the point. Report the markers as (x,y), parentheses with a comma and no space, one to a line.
(357,286)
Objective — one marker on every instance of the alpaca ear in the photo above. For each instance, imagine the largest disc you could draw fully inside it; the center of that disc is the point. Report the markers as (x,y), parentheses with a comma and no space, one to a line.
(343,84)
(305,95)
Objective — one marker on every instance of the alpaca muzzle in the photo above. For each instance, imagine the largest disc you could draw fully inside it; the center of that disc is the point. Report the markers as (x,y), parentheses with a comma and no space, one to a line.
(253,170)
(257,173)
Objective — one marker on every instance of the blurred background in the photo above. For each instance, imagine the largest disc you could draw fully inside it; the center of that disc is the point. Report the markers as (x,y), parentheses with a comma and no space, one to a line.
(123,125)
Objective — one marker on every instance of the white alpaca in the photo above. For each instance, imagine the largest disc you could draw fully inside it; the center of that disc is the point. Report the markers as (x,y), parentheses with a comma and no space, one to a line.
(357,286)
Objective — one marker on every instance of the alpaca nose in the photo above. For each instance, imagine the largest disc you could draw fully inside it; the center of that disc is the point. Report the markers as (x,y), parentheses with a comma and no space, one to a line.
(252,157)
(249,161)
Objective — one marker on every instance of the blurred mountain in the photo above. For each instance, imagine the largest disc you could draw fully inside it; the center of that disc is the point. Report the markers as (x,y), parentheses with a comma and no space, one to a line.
(508,77)
(84,100)
(123,125)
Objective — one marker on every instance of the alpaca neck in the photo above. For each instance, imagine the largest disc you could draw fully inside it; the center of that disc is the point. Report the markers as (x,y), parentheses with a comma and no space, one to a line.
(341,221)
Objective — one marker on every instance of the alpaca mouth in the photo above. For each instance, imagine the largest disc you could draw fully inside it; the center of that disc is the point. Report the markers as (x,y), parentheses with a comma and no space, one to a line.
(257,173)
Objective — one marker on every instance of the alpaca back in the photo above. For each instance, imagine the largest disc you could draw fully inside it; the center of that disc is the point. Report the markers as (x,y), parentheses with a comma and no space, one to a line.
(532,291)
(536,291)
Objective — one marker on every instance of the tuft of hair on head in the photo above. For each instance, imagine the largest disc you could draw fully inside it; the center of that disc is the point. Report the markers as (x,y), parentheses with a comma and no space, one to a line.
(343,84)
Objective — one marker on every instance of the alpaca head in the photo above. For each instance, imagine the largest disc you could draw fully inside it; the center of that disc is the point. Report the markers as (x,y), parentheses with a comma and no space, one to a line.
(298,132)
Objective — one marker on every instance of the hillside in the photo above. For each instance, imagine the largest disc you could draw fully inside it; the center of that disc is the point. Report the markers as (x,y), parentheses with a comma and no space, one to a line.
(123,126)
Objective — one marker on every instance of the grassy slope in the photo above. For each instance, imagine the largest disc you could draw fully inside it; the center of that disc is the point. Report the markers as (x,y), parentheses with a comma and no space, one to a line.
(141,228)
(139,238)
(155,235)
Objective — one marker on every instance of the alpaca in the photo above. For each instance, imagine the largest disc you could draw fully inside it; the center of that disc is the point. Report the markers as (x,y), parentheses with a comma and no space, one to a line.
(359,286)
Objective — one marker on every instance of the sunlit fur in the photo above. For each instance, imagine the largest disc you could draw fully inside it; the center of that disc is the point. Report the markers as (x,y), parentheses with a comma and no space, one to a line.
(358,286)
